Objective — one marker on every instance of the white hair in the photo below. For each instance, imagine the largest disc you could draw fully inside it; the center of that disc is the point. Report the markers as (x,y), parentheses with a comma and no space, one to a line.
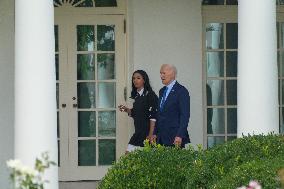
(172,67)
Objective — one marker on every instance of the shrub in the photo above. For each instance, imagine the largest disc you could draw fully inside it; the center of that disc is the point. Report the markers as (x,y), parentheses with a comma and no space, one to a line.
(156,168)
(264,171)
(229,165)
(216,163)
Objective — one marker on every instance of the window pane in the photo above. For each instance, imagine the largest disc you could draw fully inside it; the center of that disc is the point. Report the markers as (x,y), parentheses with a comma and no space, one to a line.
(232,2)
(232,36)
(215,121)
(215,64)
(215,90)
(106,152)
(85,38)
(86,95)
(231,92)
(212,141)
(106,3)
(214,36)
(87,152)
(107,123)
(213,2)
(232,120)
(85,66)
(106,38)
(85,3)
(106,97)
(86,124)
(106,66)
(232,63)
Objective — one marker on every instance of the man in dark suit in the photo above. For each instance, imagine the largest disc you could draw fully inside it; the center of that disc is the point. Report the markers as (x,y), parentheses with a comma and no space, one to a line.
(174,110)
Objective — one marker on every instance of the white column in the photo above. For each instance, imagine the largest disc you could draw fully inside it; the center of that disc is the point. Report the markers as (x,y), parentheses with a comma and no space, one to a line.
(257,68)
(35,84)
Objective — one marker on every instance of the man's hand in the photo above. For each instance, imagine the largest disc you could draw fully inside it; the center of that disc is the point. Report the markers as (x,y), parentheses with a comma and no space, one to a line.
(178,141)
(152,138)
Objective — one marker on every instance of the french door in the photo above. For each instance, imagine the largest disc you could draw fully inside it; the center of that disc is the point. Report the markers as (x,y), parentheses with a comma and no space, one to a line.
(90,62)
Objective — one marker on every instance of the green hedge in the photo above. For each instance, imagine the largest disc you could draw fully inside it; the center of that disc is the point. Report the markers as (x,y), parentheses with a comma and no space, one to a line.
(229,165)
(216,163)
(160,167)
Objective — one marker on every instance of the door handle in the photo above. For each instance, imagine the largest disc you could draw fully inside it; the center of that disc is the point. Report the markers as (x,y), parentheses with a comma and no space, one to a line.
(75,105)
(63,105)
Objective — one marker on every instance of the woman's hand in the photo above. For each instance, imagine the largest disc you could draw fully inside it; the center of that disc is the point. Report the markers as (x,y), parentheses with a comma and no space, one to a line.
(123,108)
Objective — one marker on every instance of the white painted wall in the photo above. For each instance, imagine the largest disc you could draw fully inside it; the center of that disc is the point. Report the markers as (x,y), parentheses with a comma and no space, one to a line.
(7,88)
(167,31)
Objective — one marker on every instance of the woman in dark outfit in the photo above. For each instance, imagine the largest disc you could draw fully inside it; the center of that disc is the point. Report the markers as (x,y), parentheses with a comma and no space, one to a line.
(143,111)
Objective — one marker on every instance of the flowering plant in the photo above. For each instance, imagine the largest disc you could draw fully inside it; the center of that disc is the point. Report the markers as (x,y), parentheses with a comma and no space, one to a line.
(24,177)
(252,185)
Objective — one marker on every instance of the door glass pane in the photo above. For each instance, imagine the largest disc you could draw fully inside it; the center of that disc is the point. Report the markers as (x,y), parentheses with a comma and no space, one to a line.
(106,152)
(56,38)
(229,138)
(85,66)
(215,64)
(86,95)
(282,34)
(57,66)
(57,95)
(282,121)
(106,38)
(107,123)
(282,62)
(106,95)
(87,153)
(280,2)
(85,38)
(278,33)
(232,2)
(232,63)
(232,36)
(215,90)
(214,36)
(215,121)
(231,92)
(282,82)
(106,3)
(86,124)
(232,120)
(106,66)
(58,130)
(278,62)
(213,2)
(58,151)
(212,141)
(84,3)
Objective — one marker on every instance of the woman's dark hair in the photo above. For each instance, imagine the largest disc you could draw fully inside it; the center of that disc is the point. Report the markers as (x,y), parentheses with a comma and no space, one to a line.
(147,86)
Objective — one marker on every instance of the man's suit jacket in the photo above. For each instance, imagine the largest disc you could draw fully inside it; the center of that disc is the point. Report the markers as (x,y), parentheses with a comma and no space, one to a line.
(173,118)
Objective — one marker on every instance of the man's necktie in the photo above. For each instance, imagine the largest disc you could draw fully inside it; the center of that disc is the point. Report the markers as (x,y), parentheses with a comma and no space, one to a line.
(163,98)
